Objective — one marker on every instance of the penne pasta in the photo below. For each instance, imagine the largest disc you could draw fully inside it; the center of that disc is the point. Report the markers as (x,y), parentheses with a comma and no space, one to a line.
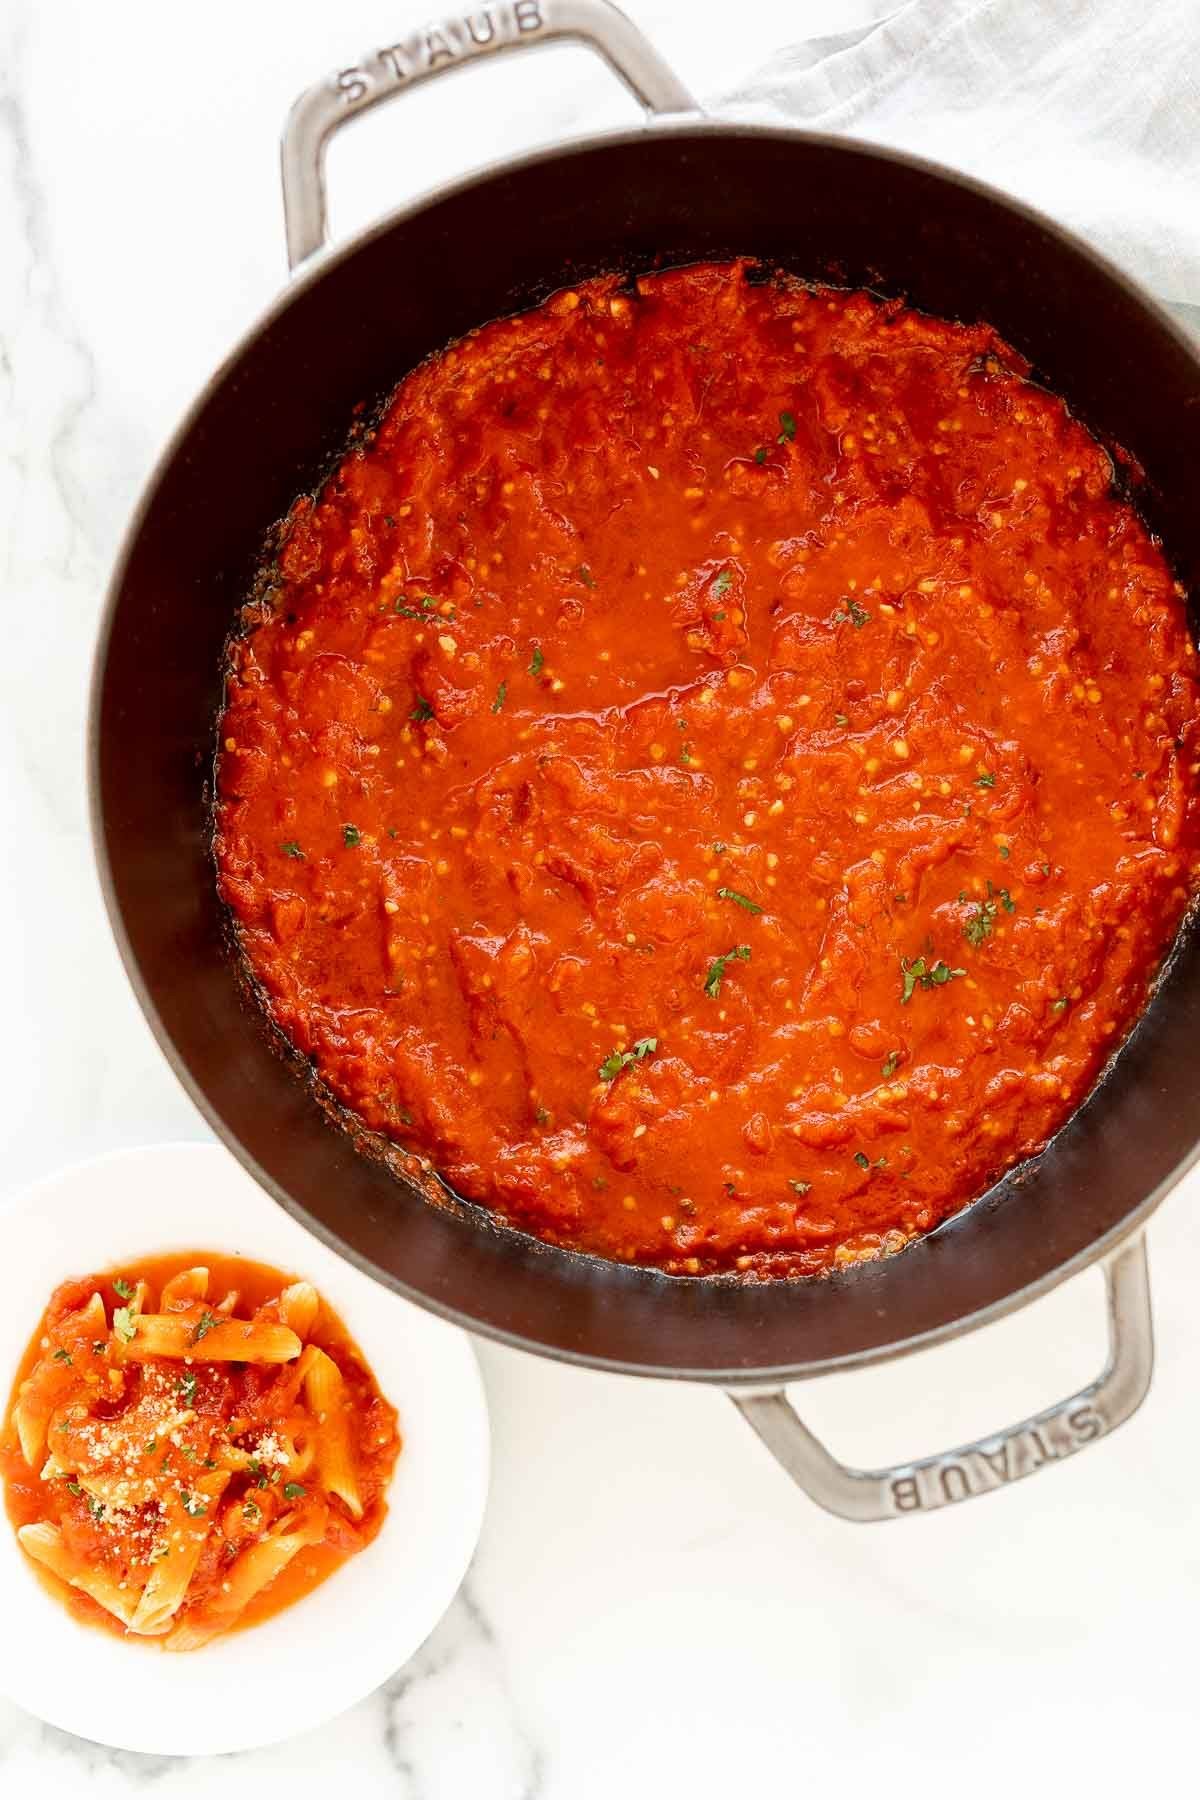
(254,1570)
(31,1416)
(53,1379)
(222,1340)
(188,1520)
(183,1290)
(91,1321)
(298,1308)
(44,1543)
(168,1466)
(325,1392)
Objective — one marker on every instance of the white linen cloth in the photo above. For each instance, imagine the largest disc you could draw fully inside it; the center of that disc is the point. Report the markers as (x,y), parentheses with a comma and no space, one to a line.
(1088,109)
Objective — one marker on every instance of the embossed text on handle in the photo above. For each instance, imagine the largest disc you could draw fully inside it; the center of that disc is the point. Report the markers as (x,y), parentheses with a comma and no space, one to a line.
(993,1461)
(439,46)
(943,1480)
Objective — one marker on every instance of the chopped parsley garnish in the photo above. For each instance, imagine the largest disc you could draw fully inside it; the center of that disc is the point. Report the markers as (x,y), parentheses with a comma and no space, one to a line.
(862,1159)
(800,1187)
(73,1487)
(407,612)
(62,1356)
(292,849)
(585,575)
(95,1507)
(761,454)
(716,974)
(421,711)
(192,1504)
(980,924)
(1005,853)
(788,431)
(728,893)
(718,618)
(685,753)
(987,779)
(501,697)
(187,1388)
(123,1287)
(259,1473)
(840,719)
(1045,868)
(541,1116)
(204,1324)
(854,614)
(720,849)
(917,975)
(124,1324)
(292,1490)
(611,1067)
(251,1510)
(889,1064)
(722,584)
(351,836)
(187,1453)
(1060,1006)
(151,1446)
(536,661)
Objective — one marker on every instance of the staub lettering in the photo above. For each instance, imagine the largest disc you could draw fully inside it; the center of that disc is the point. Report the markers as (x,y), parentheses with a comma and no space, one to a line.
(439,47)
(481,26)
(352,84)
(945,1480)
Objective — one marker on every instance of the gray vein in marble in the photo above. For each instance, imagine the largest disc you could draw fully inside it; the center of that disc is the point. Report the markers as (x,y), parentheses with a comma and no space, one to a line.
(43,295)
(453,1705)
(93,1758)
(20,1731)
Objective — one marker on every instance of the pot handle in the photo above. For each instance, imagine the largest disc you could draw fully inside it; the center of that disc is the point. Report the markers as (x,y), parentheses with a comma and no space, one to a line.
(989,1463)
(434,50)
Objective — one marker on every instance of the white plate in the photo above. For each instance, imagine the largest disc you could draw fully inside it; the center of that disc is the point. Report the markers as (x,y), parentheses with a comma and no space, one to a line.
(338,1643)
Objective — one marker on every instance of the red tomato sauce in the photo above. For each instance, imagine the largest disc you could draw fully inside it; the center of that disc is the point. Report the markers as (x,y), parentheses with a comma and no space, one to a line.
(715,771)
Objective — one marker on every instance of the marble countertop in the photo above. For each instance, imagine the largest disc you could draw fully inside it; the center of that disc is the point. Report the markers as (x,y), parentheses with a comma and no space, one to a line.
(653,1608)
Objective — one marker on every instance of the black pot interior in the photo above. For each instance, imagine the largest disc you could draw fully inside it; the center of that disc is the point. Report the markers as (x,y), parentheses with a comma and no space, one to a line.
(266,428)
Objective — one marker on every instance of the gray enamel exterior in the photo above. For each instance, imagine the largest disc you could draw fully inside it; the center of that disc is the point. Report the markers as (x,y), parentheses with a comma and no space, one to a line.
(351,323)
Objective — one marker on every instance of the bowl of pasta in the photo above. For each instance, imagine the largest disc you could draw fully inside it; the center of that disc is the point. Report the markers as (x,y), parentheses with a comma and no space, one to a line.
(241,1481)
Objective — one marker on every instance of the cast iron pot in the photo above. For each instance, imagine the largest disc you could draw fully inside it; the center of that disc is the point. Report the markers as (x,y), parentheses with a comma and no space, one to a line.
(351,322)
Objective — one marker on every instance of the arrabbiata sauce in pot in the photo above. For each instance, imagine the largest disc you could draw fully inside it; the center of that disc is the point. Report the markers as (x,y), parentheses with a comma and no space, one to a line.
(713,771)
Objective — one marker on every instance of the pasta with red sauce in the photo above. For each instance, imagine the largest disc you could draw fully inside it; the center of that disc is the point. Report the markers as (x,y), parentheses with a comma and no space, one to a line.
(191,1445)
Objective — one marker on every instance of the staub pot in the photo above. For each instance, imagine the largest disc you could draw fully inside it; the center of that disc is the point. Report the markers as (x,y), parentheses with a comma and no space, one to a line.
(350,323)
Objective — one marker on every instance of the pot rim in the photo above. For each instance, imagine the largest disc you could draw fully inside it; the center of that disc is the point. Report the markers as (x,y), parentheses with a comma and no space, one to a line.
(309,274)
